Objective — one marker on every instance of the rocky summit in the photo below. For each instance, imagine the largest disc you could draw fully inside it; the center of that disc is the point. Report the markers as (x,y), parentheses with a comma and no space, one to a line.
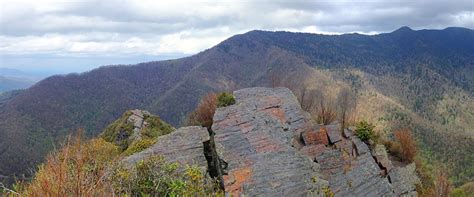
(266,145)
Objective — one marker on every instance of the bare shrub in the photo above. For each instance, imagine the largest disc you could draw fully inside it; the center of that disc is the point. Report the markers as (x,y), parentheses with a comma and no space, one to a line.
(346,103)
(204,113)
(407,150)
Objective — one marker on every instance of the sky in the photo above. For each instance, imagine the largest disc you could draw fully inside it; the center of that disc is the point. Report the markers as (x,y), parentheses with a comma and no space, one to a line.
(61,36)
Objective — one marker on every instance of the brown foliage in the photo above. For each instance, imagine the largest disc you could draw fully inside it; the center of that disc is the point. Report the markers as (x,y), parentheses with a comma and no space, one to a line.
(405,146)
(204,113)
(442,187)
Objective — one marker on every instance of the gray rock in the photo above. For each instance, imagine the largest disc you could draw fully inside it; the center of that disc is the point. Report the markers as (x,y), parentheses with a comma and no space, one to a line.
(404,180)
(184,145)
(334,133)
(254,137)
(381,157)
(361,147)
(137,118)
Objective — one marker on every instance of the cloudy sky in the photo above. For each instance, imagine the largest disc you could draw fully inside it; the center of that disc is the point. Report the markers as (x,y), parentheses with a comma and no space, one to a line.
(76,35)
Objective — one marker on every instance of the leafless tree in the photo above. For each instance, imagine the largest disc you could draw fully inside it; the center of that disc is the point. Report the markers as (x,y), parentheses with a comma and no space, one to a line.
(346,102)
(324,111)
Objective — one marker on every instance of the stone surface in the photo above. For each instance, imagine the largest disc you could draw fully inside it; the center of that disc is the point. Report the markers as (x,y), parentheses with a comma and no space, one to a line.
(315,136)
(358,177)
(348,133)
(381,157)
(352,169)
(137,119)
(404,180)
(334,133)
(361,147)
(184,145)
(312,151)
(255,138)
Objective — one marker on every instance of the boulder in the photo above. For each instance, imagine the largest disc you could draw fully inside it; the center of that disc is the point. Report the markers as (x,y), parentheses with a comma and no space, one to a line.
(361,147)
(185,145)
(255,136)
(334,133)
(404,180)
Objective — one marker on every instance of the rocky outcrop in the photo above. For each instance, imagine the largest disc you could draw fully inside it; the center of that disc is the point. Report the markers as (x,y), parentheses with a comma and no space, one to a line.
(352,169)
(266,145)
(137,120)
(133,126)
(255,138)
(185,145)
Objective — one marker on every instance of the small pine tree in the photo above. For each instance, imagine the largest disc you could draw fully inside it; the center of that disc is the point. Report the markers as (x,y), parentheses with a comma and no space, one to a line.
(365,131)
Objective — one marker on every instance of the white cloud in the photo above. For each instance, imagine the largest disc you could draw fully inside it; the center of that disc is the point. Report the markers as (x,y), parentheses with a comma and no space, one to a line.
(150,27)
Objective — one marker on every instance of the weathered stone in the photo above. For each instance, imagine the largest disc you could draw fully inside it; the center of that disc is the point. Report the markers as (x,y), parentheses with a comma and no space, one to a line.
(314,150)
(184,145)
(315,136)
(334,133)
(345,146)
(381,157)
(360,146)
(136,118)
(404,180)
(360,178)
(348,133)
(255,137)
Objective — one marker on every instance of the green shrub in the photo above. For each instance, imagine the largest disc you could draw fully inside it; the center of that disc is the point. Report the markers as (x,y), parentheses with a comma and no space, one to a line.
(365,131)
(225,99)
(138,146)
(156,127)
(458,192)
(119,131)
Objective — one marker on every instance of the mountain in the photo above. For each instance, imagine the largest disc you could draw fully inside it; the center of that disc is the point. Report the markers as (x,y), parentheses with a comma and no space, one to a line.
(416,79)
(12,79)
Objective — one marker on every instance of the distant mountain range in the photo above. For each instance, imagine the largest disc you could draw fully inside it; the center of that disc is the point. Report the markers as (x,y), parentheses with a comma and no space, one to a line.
(12,79)
(417,79)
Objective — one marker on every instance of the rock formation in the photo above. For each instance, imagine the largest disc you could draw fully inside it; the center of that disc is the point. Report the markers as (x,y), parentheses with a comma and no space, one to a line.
(268,146)
(255,138)
(185,145)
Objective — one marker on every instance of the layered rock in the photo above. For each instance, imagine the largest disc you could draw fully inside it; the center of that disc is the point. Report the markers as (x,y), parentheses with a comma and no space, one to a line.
(266,145)
(352,169)
(255,138)
(185,145)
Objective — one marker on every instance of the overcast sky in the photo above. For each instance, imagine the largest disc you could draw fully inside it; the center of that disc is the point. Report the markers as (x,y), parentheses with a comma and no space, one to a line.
(76,35)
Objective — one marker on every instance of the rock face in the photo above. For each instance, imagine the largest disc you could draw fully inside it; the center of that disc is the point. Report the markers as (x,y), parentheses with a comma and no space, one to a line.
(185,145)
(352,169)
(266,145)
(138,122)
(255,138)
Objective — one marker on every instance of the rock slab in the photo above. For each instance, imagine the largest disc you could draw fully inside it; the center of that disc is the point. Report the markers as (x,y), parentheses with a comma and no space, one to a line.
(255,136)
(185,145)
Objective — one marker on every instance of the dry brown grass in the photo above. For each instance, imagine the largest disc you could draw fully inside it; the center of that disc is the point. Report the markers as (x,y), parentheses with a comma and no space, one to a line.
(204,113)
(78,169)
